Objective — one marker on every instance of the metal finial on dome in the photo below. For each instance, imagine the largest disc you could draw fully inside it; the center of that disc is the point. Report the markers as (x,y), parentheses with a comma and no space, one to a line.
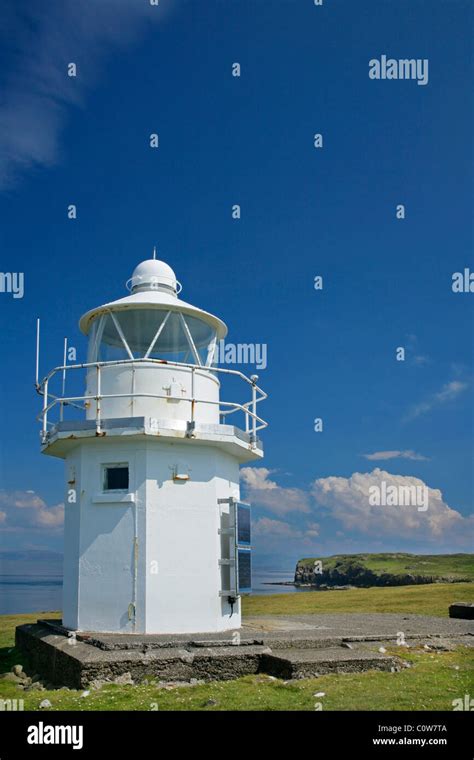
(154,252)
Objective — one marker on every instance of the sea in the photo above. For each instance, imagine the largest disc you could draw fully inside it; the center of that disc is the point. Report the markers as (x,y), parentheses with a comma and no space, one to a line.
(27,592)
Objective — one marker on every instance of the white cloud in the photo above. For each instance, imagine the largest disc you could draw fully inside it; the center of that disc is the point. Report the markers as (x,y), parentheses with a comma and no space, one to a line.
(312,530)
(421,360)
(52,517)
(407,454)
(22,499)
(25,510)
(412,352)
(267,493)
(266,526)
(448,392)
(36,90)
(347,500)
(256,478)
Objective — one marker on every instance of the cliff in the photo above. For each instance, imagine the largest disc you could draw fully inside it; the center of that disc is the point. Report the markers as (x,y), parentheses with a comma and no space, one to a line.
(383,570)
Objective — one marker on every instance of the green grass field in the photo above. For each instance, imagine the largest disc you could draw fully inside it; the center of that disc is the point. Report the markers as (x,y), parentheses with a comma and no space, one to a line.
(432,682)
(433,599)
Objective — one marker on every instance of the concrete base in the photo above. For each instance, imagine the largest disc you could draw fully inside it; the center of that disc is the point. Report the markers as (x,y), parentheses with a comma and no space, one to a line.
(310,663)
(294,647)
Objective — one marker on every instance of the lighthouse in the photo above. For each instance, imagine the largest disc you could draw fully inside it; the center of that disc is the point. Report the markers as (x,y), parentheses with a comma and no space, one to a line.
(156,537)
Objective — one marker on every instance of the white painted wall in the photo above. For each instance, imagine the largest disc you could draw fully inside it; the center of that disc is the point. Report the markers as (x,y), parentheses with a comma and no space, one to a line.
(183,520)
(153,379)
(177,580)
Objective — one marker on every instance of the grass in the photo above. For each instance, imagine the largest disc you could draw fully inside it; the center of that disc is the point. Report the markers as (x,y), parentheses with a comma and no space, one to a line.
(432,682)
(448,566)
(433,599)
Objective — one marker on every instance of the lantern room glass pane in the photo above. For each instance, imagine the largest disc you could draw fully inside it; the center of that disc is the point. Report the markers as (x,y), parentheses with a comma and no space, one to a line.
(140,327)
(202,334)
(94,337)
(110,346)
(173,343)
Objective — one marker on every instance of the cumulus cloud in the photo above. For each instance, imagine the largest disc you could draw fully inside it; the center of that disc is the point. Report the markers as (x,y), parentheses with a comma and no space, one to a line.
(267,493)
(348,501)
(266,526)
(407,454)
(25,510)
(448,392)
(52,517)
(36,89)
(312,530)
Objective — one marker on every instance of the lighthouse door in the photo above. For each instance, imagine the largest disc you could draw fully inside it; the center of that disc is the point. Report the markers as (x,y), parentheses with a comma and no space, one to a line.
(109,555)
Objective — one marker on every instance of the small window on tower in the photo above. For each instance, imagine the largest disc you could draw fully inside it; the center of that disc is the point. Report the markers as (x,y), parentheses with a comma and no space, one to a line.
(116,477)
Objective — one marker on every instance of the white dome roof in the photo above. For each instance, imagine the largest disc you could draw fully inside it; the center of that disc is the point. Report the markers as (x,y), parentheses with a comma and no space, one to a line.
(153,285)
(153,274)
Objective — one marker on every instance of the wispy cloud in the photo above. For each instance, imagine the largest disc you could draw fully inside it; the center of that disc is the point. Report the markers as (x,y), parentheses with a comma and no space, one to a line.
(420,360)
(448,392)
(407,454)
(413,352)
(36,89)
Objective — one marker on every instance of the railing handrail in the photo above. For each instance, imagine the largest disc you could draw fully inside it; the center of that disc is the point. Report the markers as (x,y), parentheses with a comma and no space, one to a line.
(165,362)
(67,400)
(258,423)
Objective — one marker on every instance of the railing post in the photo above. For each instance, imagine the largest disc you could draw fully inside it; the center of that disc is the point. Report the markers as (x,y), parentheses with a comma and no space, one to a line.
(254,410)
(191,424)
(97,406)
(192,394)
(45,410)
(133,391)
(254,379)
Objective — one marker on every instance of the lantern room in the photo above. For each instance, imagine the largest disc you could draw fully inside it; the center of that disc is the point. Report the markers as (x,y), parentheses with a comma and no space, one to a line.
(152,323)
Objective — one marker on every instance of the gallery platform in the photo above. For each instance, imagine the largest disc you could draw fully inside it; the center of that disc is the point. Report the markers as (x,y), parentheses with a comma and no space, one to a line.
(302,646)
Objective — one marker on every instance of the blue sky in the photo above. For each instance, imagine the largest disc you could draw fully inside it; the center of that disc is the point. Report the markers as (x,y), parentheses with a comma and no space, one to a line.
(305,212)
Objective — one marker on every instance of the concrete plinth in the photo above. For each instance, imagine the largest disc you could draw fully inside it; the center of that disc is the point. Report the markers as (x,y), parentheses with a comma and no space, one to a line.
(293,647)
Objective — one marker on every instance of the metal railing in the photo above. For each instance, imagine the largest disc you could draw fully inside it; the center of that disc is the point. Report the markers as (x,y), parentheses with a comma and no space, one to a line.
(253,422)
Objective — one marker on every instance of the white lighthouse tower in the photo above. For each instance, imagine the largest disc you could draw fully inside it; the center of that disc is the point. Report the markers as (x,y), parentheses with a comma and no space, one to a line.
(156,538)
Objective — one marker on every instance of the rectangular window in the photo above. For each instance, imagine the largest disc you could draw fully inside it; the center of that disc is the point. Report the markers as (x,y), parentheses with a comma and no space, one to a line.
(116,477)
